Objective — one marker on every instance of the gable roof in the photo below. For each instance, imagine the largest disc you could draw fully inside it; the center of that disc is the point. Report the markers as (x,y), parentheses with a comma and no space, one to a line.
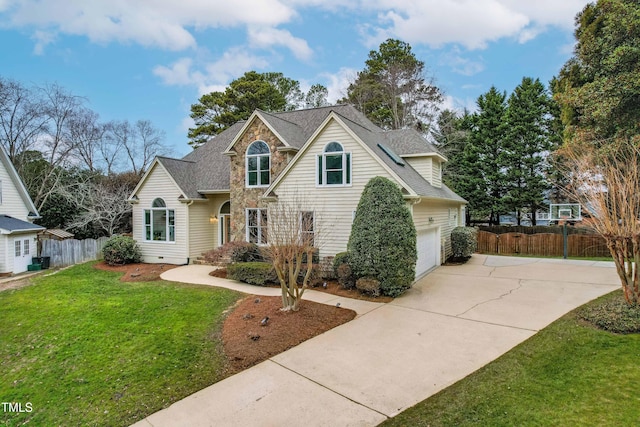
(207,168)
(416,182)
(9,224)
(22,190)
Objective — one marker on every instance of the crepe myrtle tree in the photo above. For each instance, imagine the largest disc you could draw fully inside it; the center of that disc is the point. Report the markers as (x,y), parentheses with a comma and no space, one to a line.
(293,236)
(606,182)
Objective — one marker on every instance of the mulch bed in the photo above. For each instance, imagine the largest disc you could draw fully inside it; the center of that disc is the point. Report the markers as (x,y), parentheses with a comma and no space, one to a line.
(139,272)
(333,287)
(247,342)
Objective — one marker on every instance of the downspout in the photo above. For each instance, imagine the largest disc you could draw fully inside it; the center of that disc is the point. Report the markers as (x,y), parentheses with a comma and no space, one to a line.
(189,203)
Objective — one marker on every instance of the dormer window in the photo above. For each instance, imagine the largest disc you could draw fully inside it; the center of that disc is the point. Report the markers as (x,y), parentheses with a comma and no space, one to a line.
(258,160)
(334,165)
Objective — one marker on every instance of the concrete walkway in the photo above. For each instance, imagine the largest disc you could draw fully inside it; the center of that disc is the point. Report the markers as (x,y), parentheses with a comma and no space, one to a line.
(451,323)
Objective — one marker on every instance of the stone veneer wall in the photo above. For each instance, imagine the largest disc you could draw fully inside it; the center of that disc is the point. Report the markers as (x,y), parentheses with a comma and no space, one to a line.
(242,197)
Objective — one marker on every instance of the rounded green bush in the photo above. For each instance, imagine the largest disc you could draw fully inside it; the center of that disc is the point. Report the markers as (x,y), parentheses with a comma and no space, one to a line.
(382,244)
(121,250)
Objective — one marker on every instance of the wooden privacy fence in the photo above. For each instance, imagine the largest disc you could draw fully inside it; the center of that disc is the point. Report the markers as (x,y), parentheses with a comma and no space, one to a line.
(544,244)
(72,251)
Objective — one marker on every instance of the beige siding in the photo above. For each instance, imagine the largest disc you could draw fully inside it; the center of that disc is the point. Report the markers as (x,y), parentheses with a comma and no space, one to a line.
(12,204)
(204,235)
(436,177)
(333,206)
(422,165)
(446,216)
(158,184)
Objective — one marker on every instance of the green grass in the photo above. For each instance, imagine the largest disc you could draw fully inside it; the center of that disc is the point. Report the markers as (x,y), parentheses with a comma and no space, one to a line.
(569,374)
(88,350)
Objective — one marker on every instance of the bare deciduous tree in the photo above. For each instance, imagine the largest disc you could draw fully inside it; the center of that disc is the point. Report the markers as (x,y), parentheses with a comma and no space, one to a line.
(606,182)
(22,118)
(293,237)
(141,142)
(99,203)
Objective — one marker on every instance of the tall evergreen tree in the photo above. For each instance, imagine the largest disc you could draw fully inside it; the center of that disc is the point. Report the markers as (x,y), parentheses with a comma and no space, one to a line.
(482,180)
(526,145)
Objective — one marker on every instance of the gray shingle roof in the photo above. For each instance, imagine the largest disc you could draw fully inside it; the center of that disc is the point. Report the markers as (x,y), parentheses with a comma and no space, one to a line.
(406,173)
(207,169)
(409,141)
(12,224)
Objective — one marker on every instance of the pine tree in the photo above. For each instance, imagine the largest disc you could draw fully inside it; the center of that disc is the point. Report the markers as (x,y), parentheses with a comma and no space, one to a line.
(482,180)
(526,145)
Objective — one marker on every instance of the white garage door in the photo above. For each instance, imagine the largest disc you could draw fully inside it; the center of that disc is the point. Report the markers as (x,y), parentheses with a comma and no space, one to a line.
(428,249)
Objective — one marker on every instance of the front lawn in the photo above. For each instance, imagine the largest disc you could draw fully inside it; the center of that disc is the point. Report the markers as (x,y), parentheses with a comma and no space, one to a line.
(84,348)
(569,374)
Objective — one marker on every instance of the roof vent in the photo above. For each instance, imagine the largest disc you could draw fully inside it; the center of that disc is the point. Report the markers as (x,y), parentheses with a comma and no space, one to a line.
(393,156)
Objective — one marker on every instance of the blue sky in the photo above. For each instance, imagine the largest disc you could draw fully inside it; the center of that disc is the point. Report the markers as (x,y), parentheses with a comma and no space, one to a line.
(152,59)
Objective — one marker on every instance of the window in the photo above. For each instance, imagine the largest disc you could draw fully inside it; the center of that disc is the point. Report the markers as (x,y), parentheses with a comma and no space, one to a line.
(25,247)
(257,226)
(258,164)
(307,228)
(334,165)
(0,192)
(159,222)
(18,247)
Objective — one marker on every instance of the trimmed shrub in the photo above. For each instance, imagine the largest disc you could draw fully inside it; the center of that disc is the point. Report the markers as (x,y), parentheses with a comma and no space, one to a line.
(464,242)
(326,268)
(120,250)
(612,313)
(234,252)
(345,276)
(339,259)
(382,244)
(368,285)
(315,279)
(253,273)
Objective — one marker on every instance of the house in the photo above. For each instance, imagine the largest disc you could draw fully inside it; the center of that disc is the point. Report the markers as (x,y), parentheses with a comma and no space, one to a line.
(18,235)
(324,156)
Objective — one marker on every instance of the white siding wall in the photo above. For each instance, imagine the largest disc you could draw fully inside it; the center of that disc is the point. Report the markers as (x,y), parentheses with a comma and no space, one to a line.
(158,184)
(333,205)
(446,216)
(12,204)
(6,262)
(203,234)
(422,165)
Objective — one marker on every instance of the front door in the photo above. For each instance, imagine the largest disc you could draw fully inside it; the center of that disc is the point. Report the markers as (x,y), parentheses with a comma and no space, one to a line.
(22,254)
(225,228)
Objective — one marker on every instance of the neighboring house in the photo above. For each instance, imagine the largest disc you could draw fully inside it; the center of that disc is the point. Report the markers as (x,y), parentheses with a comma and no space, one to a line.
(18,235)
(318,158)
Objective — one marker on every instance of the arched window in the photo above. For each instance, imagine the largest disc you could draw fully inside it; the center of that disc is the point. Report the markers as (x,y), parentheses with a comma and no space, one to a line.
(334,165)
(258,164)
(159,222)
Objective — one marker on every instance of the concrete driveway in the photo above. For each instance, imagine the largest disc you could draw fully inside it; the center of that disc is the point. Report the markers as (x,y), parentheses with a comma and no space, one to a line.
(452,322)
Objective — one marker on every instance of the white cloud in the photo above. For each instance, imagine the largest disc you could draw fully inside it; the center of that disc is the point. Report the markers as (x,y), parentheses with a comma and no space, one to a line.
(460,64)
(232,64)
(337,83)
(469,23)
(42,38)
(160,23)
(268,37)
(458,104)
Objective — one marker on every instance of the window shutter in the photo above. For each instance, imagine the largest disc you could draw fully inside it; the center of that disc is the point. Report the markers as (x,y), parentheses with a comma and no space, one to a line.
(348,174)
(319,169)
